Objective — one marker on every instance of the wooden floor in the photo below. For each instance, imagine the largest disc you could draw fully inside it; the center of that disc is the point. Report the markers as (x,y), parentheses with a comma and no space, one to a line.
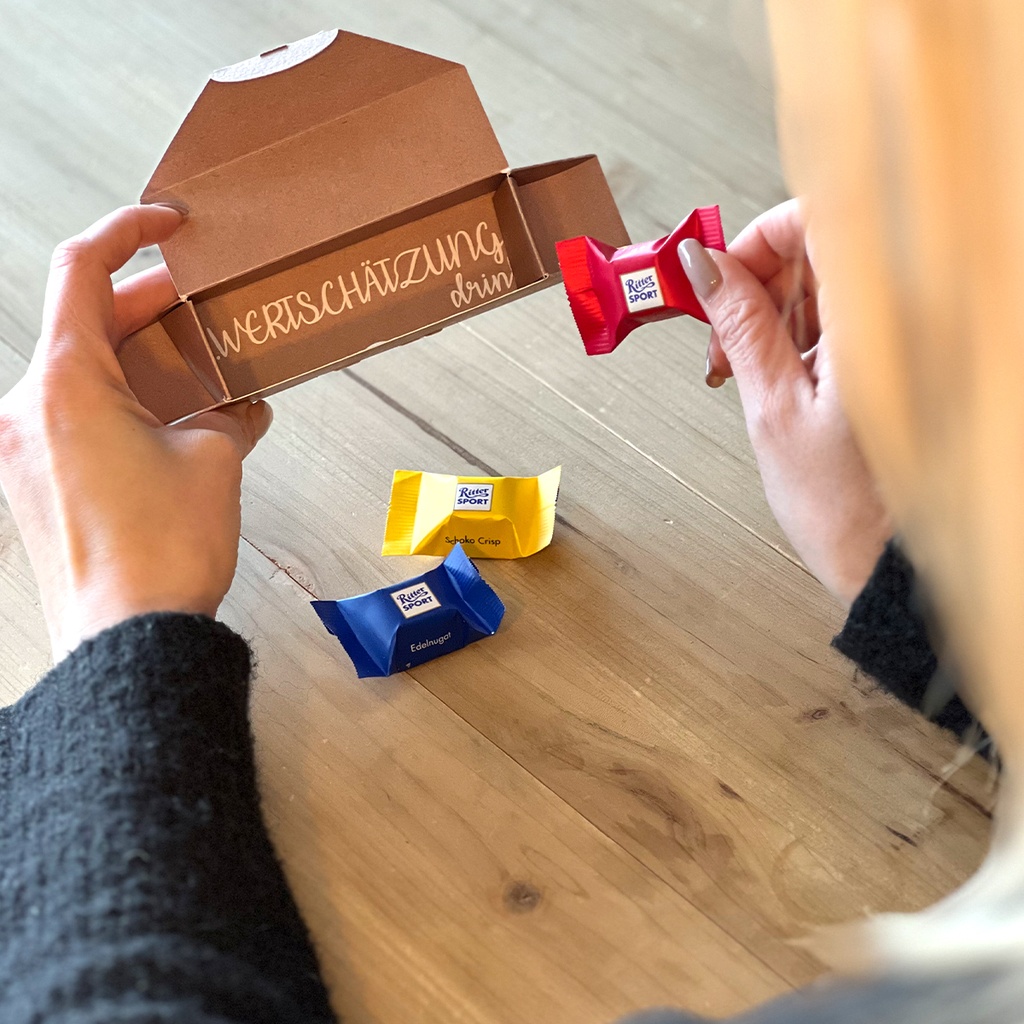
(657,774)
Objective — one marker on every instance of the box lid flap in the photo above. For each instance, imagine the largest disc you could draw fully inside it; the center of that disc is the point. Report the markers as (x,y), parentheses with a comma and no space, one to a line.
(310,141)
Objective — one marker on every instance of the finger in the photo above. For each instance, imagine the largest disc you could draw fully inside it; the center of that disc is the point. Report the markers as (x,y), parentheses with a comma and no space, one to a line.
(79,293)
(263,415)
(772,248)
(244,423)
(718,370)
(792,284)
(752,333)
(113,240)
(772,242)
(803,326)
(140,299)
(824,373)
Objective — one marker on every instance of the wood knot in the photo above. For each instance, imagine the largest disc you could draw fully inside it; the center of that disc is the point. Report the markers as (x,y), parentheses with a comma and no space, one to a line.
(816,714)
(521,897)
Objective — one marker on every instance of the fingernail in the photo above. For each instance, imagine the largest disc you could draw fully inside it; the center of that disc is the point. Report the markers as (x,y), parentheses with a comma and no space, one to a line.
(174,204)
(261,415)
(700,268)
(712,379)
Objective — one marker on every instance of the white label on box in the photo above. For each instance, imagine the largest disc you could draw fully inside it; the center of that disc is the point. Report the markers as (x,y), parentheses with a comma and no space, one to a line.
(473,497)
(642,289)
(415,600)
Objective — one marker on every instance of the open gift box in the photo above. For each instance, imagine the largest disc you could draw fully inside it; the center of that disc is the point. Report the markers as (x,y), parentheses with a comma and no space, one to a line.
(345,196)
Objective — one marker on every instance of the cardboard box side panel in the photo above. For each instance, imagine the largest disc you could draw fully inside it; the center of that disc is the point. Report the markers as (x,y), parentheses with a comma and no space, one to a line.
(353,72)
(185,331)
(384,287)
(565,201)
(478,188)
(405,149)
(159,377)
(519,245)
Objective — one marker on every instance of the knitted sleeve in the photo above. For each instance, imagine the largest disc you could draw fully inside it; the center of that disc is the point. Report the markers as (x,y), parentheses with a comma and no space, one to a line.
(887,637)
(137,881)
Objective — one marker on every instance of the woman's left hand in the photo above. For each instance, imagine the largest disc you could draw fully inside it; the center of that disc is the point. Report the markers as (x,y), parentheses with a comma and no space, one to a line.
(762,299)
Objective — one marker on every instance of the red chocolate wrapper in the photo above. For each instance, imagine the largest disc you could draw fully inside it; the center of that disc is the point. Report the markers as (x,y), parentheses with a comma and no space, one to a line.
(613,291)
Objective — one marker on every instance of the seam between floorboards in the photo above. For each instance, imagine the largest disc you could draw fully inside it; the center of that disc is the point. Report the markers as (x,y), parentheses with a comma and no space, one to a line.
(19,357)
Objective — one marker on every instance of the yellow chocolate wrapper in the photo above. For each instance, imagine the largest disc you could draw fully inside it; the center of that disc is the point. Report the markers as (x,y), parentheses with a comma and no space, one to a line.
(490,516)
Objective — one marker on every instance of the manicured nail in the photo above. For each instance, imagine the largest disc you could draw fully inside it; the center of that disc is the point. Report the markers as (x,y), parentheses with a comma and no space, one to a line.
(700,268)
(174,204)
(712,379)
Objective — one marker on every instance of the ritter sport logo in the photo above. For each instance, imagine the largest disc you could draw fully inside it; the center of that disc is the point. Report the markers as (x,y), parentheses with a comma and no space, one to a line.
(415,600)
(473,497)
(642,289)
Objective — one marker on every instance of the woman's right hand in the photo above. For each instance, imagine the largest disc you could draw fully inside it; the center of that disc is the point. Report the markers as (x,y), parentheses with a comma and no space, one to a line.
(763,302)
(120,515)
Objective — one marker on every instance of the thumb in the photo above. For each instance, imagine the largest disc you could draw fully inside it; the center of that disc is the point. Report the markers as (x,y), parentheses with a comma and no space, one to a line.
(752,334)
(245,423)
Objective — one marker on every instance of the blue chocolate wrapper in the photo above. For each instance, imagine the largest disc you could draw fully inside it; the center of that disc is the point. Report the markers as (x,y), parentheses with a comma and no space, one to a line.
(398,627)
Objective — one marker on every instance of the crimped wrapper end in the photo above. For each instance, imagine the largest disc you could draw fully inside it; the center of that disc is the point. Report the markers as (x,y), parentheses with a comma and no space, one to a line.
(712,233)
(333,618)
(400,528)
(590,319)
(481,601)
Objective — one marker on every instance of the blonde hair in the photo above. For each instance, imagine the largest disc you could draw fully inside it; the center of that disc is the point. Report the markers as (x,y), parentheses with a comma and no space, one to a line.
(902,122)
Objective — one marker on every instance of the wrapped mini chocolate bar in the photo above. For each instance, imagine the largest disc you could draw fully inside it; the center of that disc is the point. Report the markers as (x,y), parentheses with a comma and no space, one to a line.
(395,628)
(490,516)
(613,291)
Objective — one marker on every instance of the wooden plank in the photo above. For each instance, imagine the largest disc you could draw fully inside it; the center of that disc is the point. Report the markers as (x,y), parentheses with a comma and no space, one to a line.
(645,689)
(449,385)
(443,882)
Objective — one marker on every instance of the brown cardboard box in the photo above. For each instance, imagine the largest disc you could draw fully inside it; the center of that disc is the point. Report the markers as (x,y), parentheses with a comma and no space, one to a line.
(346,195)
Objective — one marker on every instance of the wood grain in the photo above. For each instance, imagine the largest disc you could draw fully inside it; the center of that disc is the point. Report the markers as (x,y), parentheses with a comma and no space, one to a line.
(658,773)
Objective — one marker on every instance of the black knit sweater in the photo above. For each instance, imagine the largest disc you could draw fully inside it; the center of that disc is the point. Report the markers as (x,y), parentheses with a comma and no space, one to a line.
(137,881)
(887,636)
